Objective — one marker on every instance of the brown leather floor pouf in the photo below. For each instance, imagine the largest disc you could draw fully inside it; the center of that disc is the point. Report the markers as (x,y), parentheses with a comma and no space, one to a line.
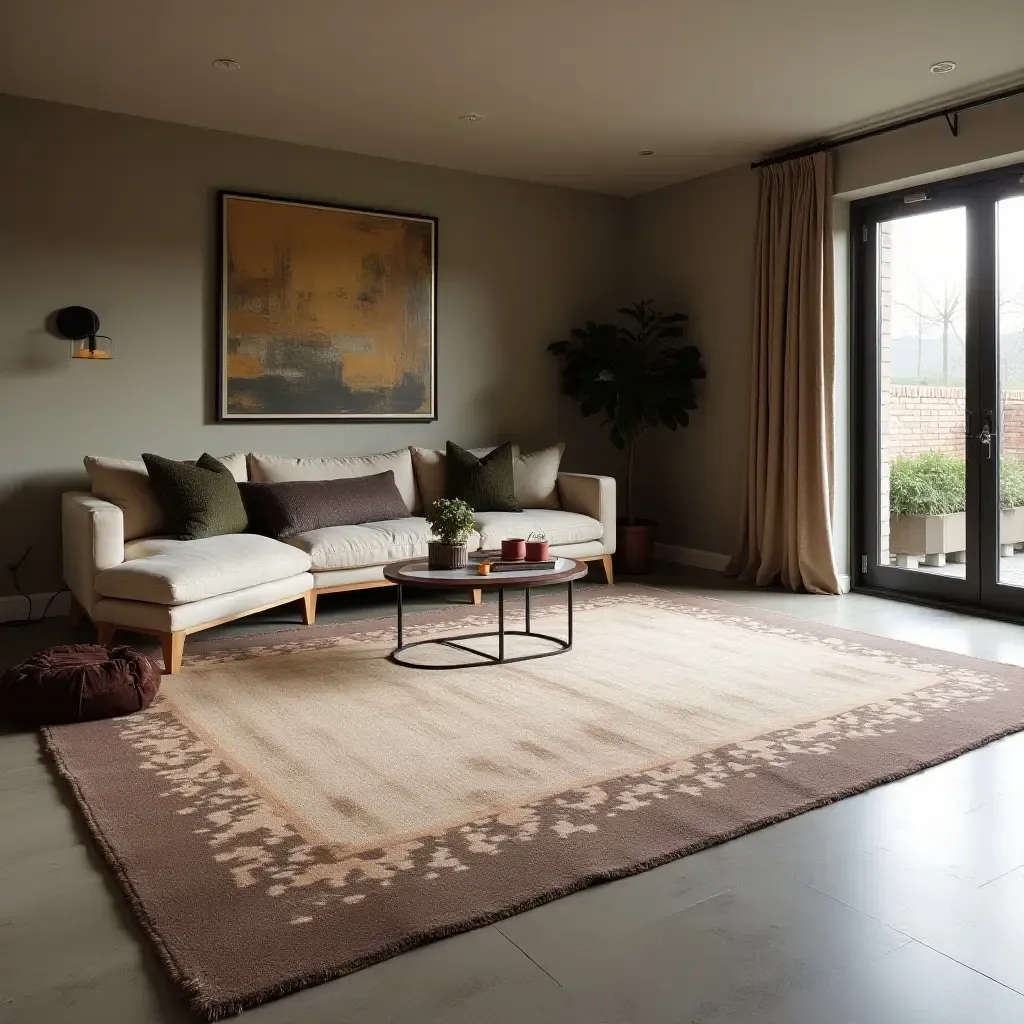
(78,683)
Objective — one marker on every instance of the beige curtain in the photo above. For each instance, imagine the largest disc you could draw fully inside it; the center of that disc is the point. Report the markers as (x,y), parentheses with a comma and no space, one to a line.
(787,534)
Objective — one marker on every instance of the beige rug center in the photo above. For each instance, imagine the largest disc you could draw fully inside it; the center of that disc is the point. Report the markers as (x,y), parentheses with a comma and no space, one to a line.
(357,752)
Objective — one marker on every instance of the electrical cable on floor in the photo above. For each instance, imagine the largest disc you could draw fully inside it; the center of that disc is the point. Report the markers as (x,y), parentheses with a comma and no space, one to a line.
(15,568)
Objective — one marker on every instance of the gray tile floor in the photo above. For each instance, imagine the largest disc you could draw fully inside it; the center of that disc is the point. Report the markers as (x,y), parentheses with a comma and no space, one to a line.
(903,905)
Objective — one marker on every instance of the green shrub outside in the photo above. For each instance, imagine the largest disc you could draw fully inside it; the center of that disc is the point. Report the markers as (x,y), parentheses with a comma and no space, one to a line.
(1011,483)
(934,484)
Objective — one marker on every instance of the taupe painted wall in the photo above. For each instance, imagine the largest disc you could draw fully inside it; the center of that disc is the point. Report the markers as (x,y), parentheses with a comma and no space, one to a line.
(692,249)
(692,246)
(989,136)
(118,213)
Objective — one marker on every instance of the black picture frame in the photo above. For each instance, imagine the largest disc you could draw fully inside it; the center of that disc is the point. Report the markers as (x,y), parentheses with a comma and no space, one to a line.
(224,412)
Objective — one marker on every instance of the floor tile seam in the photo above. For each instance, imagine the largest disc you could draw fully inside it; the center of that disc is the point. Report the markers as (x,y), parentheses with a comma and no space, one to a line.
(910,937)
(542,969)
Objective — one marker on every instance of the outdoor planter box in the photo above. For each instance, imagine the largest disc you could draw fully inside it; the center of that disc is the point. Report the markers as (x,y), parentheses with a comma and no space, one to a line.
(1011,528)
(945,535)
(928,535)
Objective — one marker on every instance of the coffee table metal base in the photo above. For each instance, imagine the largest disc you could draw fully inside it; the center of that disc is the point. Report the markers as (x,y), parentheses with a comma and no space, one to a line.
(457,642)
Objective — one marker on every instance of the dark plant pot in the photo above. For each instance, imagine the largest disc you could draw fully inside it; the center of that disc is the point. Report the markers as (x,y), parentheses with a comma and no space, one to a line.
(634,547)
(447,556)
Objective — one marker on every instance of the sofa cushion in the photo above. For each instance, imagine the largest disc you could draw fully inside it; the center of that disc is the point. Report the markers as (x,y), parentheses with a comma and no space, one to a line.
(143,547)
(126,484)
(347,547)
(559,527)
(199,499)
(485,484)
(197,569)
(276,469)
(430,469)
(300,506)
(536,477)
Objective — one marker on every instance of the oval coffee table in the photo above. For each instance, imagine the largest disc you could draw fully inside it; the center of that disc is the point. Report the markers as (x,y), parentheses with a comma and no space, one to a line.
(413,572)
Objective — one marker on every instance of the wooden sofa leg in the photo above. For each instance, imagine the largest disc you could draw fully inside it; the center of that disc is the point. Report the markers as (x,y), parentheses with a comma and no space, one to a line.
(309,608)
(173,646)
(478,596)
(609,572)
(105,633)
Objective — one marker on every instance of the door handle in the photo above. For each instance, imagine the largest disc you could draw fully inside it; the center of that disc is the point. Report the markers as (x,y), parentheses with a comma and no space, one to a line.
(987,435)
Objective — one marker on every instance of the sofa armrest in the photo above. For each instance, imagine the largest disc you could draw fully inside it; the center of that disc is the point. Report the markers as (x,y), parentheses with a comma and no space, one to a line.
(592,496)
(93,540)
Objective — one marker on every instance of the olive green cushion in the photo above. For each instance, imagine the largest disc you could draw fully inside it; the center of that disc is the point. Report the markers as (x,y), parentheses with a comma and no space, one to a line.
(486,484)
(199,499)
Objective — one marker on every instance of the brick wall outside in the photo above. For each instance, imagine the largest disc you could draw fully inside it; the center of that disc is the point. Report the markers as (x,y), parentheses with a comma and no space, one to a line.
(932,419)
(1013,423)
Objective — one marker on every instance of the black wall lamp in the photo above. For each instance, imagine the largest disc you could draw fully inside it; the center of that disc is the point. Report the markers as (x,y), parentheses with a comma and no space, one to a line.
(80,326)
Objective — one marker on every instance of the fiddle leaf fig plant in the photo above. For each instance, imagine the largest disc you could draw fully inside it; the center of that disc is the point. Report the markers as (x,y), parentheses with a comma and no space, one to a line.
(639,376)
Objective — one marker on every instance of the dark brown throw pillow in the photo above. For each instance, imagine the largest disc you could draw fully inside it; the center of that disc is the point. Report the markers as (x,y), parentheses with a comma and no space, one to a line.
(199,499)
(486,484)
(298,506)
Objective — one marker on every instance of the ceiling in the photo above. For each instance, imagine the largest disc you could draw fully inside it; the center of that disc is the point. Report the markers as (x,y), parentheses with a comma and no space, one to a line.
(569,91)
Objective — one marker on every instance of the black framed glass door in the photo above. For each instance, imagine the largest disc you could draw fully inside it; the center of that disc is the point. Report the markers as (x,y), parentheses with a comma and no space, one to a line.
(939,329)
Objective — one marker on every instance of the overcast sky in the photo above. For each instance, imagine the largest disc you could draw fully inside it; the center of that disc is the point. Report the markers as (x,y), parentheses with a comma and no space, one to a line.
(929,262)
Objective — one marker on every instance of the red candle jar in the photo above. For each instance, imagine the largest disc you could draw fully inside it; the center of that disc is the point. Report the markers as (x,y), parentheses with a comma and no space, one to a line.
(513,550)
(536,550)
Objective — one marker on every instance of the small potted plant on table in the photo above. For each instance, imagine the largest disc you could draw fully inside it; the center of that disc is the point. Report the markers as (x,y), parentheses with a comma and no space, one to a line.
(452,521)
(640,377)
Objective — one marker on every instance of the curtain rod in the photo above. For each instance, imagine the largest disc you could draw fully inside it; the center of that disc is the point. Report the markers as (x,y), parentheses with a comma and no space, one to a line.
(950,113)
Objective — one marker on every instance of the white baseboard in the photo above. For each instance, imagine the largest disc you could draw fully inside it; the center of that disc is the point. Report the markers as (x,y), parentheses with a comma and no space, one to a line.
(15,608)
(692,556)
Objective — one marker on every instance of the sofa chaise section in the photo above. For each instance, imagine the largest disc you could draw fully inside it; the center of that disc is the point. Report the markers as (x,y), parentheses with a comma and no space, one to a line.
(171,588)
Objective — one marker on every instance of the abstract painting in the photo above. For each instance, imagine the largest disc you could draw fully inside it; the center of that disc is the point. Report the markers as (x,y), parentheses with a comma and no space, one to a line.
(326,312)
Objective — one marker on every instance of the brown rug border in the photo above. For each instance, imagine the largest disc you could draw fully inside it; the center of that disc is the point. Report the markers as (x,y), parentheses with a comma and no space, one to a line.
(148,926)
(212,1009)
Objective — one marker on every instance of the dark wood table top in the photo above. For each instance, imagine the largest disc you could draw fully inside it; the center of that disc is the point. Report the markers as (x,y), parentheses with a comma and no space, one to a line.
(469,579)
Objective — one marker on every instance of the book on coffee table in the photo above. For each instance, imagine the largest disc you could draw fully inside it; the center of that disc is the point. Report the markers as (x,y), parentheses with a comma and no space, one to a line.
(521,566)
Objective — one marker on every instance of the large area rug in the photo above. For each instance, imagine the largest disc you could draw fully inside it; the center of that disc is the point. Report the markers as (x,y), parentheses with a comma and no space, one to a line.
(295,807)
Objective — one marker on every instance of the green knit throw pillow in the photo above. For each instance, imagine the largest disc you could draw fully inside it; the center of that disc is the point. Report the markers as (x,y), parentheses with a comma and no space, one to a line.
(487,484)
(199,499)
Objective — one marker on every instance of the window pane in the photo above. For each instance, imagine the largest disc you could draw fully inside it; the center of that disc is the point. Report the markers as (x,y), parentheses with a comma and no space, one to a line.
(922,297)
(1010,335)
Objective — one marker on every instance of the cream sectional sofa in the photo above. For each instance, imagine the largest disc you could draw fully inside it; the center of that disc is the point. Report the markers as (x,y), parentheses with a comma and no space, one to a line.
(171,588)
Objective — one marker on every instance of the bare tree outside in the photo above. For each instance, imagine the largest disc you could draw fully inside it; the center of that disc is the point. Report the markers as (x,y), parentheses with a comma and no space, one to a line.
(943,309)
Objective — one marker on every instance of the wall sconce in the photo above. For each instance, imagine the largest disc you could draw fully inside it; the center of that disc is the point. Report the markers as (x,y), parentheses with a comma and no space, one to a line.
(79,325)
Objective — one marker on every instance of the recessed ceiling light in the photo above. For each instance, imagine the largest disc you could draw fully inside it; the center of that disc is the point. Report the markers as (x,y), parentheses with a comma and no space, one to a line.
(226,64)
(943,67)
(646,152)
(470,117)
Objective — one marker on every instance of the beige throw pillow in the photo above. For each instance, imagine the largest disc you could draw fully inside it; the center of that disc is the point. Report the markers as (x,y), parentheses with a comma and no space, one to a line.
(279,469)
(431,478)
(125,483)
(536,477)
